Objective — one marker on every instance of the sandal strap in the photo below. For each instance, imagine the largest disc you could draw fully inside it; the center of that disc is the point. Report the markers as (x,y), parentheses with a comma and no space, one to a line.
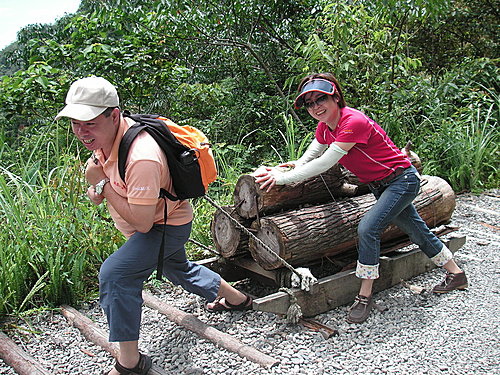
(241,306)
(141,368)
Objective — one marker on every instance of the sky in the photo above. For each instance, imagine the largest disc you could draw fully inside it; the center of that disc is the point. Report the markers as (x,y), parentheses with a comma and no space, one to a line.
(15,14)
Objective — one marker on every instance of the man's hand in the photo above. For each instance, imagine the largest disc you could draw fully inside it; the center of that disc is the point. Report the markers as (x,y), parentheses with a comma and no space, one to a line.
(94,197)
(94,172)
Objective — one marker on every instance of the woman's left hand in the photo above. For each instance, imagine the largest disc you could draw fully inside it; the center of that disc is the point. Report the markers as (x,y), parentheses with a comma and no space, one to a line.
(94,172)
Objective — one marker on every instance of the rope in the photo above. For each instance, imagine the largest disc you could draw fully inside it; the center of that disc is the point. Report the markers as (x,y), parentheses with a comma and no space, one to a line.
(294,312)
(203,246)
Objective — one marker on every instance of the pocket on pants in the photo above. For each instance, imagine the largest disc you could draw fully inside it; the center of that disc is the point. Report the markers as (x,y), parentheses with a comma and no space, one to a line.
(412,183)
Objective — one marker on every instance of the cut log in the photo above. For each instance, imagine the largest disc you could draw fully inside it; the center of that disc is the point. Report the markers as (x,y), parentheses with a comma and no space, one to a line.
(228,239)
(93,333)
(251,201)
(304,235)
(195,325)
(18,359)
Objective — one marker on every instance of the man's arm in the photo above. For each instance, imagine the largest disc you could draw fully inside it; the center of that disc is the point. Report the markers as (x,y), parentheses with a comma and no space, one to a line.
(140,217)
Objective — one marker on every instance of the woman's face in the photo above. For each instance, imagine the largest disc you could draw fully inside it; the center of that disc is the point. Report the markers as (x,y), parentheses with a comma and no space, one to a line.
(322,107)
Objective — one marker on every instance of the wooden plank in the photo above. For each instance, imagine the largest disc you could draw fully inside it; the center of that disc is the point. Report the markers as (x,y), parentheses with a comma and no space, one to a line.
(341,288)
(227,268)
(250,265)
(18,359)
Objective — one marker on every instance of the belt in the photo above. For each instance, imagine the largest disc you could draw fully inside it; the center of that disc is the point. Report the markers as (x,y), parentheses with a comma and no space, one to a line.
(398,172)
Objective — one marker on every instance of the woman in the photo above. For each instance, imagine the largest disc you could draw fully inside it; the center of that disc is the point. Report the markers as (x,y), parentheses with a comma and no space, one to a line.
(348,136)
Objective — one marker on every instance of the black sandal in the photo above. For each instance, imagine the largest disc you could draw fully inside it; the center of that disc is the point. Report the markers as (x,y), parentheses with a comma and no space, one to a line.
(218,307)
(142,367)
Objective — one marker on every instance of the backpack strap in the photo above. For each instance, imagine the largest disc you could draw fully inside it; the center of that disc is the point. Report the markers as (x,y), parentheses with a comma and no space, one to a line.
(124,148)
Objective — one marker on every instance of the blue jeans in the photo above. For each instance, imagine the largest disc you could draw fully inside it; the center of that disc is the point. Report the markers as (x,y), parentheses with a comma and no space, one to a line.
(123,273)
(393,206)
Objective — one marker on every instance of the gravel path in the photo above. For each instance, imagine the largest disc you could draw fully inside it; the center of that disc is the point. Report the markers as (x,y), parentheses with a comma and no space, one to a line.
(457,333)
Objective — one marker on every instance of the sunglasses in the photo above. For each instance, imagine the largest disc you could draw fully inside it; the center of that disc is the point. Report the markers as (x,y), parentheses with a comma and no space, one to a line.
(320,100)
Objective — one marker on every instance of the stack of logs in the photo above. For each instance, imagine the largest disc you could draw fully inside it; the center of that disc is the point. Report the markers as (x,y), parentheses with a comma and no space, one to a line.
(316,218)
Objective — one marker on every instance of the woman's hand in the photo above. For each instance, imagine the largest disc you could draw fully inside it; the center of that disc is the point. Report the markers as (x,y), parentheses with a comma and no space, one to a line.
(265,177)
(94,172)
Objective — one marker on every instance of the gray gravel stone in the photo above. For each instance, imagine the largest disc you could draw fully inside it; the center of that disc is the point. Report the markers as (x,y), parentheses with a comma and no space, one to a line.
(456,333)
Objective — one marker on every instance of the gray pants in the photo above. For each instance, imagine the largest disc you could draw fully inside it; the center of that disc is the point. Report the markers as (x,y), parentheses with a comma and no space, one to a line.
(122,276)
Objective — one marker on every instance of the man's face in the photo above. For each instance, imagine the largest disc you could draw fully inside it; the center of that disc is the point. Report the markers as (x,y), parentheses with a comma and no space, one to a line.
(98,133)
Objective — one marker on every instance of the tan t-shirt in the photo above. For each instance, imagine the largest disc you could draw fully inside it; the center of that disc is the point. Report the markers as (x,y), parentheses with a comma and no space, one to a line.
(147,171)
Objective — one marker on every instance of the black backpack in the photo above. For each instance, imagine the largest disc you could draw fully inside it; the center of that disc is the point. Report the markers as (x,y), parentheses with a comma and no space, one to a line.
(188,152)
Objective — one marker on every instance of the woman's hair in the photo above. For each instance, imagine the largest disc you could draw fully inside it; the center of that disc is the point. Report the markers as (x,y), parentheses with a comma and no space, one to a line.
(329,77)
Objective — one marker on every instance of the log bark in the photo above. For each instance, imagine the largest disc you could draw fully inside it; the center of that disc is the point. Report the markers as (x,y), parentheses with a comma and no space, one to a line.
(195,325)
(18,359)
(307,234)
(337,182)
(98,336)
(228,239)
(251,201)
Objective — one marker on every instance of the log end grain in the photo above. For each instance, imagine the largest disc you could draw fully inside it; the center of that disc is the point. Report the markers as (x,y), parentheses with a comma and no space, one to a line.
(246,196)
(266,258)
(228,239)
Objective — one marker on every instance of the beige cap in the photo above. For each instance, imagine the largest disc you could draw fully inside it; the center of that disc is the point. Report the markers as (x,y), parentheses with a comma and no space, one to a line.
(88,97)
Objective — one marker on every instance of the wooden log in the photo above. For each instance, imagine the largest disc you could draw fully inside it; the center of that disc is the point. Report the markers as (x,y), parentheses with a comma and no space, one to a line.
(98,336)
(251,201)
(195,325)
(337,182)
(228,239)
(311,233)
(18,359)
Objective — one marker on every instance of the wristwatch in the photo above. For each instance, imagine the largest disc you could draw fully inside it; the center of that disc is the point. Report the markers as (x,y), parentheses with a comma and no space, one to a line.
(99,187)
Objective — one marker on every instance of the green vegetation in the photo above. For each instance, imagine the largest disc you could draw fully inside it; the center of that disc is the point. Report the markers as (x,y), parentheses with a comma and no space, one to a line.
(426,70)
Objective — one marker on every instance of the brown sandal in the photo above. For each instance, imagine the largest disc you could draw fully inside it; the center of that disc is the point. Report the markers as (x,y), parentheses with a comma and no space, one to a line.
(142,367)
(218,307)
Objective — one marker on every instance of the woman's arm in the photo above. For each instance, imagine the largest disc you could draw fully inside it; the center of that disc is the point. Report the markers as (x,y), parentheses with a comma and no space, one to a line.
(313,151)
(313,168)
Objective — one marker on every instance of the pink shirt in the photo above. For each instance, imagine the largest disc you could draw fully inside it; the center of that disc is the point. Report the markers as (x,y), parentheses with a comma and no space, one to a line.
(374,156)
(147,171)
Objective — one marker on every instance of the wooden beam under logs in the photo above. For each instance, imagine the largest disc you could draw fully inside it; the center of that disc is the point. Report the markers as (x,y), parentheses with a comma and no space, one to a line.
(341,288)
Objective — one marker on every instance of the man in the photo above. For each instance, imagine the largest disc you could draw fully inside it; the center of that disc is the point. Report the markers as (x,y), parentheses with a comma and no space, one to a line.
(92,106)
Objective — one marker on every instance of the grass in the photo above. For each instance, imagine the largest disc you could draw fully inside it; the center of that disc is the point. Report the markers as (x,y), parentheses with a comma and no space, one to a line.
(53,241)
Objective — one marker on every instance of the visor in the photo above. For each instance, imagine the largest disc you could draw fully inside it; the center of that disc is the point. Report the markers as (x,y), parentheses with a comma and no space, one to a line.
(315,85)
